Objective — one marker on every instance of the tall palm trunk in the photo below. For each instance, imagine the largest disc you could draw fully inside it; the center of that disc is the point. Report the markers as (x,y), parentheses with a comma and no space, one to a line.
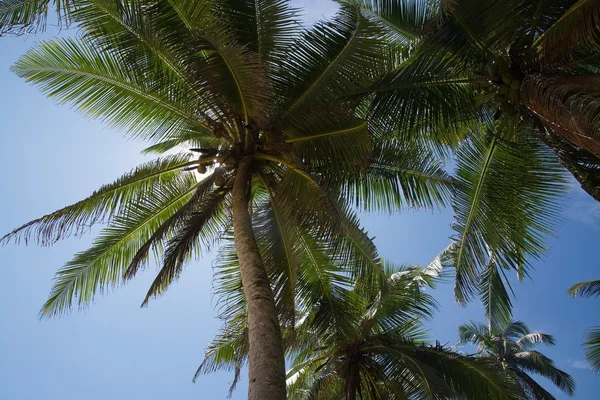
(266,358)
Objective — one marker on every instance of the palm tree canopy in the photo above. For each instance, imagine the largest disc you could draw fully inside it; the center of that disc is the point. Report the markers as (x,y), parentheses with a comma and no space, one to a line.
(482,77)
(356,340)
(512,348)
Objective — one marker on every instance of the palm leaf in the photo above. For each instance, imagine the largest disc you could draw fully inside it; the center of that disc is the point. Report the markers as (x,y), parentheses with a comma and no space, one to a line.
(585,289)
(207,223)
(592,348)
(104,263)
(505,202)
(103,85)
(25,16)
(104,203)
(576,31)
(494,296)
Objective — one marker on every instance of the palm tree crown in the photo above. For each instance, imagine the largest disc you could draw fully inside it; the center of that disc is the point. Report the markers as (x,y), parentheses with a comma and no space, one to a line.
(511,348)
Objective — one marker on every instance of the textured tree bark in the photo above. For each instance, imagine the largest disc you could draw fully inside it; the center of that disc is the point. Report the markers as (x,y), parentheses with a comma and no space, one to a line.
(266,358)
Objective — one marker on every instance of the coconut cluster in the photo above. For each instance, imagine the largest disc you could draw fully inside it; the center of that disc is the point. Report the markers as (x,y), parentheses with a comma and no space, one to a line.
(503,87)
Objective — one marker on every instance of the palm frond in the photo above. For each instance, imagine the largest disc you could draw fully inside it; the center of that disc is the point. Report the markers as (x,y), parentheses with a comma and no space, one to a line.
(26,16)
(585,289)
(592,348)
(204,225)
(204,194)
(399,175)
(506,199)
(103,204)
(536,362)
(475,333)
(534,338)
(104,85)
(330,60)
(266,27)
(103,265)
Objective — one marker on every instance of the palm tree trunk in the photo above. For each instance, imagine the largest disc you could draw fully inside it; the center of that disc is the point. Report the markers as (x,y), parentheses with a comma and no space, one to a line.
(266,358)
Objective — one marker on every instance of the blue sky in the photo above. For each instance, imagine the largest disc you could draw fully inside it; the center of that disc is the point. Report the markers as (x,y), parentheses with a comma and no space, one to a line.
(51,156)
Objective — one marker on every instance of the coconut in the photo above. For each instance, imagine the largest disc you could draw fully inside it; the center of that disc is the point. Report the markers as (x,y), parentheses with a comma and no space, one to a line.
(507,78)
(504,89)
(201,169)
(220,180)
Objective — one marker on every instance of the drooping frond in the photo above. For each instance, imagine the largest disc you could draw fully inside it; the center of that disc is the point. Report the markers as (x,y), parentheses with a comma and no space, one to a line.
(495,298)
(203,197)
(475,333)
(533,361)
(506,198)
(203,226)
(585,289)
(266,27)
(103,204)
(329,61)
(103,265)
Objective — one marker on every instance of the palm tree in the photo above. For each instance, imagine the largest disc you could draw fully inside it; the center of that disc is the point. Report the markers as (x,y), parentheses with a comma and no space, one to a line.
(493,80)
(354,340)
(511,349)
(592,337)
(241,86)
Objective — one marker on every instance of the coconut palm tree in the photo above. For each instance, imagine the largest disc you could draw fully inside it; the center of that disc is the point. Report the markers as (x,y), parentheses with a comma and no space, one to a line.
(356,340)
(493,80)
(254,97)
(592,337)
(511,348)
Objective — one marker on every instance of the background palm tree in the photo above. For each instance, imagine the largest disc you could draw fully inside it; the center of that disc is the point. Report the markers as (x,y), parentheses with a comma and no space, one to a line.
(511,349)
(350,340)
(592,338)
(241,86)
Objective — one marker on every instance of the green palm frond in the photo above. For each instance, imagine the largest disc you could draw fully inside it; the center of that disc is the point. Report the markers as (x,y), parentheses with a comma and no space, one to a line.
(494,296)
(585,289)
(266,27)
(203,196)
(324,141)
(506,199)
(204,225)
(592,348)
(103,265)
(104,85)
(531,389)
(536,362)
(475,333)
(404,19)
(104,203)
(421,100)
(228,351)
(26,16)
(400,174)
(332,59)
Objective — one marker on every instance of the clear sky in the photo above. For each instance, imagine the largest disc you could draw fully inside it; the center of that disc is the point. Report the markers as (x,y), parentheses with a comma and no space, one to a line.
(51,156)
